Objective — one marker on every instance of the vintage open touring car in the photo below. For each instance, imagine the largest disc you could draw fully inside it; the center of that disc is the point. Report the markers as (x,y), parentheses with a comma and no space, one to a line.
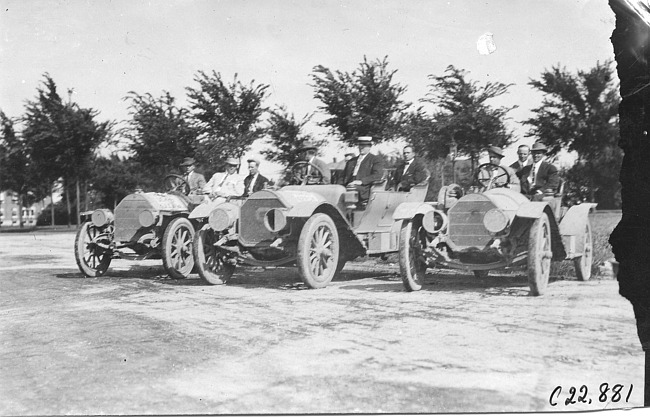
(145,225)
(493,227)
(317,227)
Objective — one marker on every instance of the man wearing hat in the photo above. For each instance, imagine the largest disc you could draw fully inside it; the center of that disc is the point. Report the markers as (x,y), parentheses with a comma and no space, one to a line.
(410,172)
(540,177)
(254,181)
(226,184)
(308,153)
(361,171)
(496,155)
(195,180)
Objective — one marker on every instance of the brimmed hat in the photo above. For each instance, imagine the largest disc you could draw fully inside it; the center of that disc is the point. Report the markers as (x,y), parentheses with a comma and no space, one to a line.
(188,162)
(232,161)
(257,161)
(350,154)
(539,146)
(496,150)
(364,140)
(307,146)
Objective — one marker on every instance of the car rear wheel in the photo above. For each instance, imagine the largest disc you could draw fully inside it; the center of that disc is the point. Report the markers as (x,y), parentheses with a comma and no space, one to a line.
(539,255)
(318,251)
(583,263)
(412,241)
(210,265)
(91,249)
(177,248)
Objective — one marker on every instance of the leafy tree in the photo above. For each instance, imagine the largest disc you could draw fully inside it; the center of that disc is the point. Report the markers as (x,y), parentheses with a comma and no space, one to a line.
(227,116)
(579,113)
(462,115)
(114,178)
(365,102)
(286,136)
(160,134)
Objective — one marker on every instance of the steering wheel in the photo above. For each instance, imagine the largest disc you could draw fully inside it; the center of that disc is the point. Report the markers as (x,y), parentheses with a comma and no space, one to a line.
(173,182)
(300,176)
(491,176)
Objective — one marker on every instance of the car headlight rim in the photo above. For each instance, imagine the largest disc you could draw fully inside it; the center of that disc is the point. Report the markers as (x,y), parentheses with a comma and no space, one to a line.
(495,220)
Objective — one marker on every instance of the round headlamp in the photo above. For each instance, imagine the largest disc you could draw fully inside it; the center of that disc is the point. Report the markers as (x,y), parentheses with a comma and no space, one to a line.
(495,220)
(221,219)
(101,217)
(147,218)
(275,220)
(434,221)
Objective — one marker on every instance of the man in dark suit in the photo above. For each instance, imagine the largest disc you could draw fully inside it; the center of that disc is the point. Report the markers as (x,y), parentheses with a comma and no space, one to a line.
(194,180)
(523,158)
(361,171)
(254,181)
(308,153)
(411,171)
(540,177)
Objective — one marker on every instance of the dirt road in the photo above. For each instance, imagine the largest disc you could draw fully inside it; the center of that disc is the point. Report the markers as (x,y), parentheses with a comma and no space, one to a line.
(137,342)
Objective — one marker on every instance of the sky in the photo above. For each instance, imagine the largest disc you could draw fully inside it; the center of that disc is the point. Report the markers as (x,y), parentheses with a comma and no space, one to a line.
(105,48)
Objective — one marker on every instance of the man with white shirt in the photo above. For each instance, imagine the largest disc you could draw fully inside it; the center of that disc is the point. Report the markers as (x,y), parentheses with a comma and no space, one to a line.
(540,177)
(254,181)
(523,158)
(226,184)
(362,171)
(194,180)
(411,171)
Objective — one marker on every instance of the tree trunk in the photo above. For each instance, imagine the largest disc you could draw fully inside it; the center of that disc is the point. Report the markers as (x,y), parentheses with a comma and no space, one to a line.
(20,210)
(85,195)
(52,203)
(78,202)
(66,189)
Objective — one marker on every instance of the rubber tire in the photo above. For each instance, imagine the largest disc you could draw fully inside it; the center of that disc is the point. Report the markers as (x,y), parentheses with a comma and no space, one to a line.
(582,263)
(90,264)
(339,267)
(481,273)
(182,228)
(539,255)
(208,265)
(411,269)
(316,222)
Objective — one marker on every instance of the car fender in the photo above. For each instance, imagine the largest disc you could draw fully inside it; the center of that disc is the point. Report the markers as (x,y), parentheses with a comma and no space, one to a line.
(411,209)
(532,209)
(204,209)
(574,221)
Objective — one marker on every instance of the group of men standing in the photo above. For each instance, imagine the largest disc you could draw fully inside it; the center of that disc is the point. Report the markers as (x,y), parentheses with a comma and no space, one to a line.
(534,176)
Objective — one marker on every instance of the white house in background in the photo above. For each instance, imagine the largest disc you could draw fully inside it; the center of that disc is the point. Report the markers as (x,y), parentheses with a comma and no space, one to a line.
(9,210)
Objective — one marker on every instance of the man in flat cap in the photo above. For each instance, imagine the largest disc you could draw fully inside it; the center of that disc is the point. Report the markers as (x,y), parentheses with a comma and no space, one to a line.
(540,177)
(254,181)
(308,153)
(411,171)
(496,155)
(361,171)
(226,184)
(195,180)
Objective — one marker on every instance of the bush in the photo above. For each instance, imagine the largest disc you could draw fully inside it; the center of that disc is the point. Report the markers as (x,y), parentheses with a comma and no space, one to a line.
(60,215)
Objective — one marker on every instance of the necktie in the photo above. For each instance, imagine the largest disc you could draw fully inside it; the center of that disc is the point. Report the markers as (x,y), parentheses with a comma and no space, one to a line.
(533,175)
(356,167)
(224,180)
(406,167)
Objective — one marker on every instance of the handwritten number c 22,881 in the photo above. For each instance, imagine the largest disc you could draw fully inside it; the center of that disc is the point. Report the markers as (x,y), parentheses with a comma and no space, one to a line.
(581,395)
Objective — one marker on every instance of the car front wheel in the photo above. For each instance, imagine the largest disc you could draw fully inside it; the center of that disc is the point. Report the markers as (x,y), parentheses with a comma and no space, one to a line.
(177,248)
(91,249)
(318,251)
(539,255)
(210,265)
(582,263)
(411,264)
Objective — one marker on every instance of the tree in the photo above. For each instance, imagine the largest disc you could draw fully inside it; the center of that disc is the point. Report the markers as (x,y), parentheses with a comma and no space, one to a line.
(226,116)
(160,134)
(365,102)
(286,137)
(462,115)
(114,178)
(579,113)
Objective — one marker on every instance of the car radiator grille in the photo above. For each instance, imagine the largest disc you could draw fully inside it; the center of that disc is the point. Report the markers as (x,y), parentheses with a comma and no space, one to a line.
(251,226)
(466,227)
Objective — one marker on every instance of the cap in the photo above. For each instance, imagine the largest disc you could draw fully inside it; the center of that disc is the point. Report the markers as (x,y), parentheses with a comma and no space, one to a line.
(188,161)
(307,146)
(496,150)
(232,161)
(364,140)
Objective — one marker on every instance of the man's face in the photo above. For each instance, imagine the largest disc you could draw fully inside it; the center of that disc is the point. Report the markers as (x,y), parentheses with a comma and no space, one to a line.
(188,168)
(231,169)
(252,168)
(523,153)
(538,156)
(307,155)
(364,148)
(495,159)
(408,153)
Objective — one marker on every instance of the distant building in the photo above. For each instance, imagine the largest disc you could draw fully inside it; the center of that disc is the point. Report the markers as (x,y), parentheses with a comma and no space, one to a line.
(9,210)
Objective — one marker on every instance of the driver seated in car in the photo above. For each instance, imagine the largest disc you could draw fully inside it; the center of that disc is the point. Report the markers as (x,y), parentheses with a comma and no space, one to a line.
(316,167)
(498,177)
(194,180)
(226,184)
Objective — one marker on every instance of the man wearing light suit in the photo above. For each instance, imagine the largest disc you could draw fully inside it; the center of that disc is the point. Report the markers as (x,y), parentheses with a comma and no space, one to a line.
(195,180)
(540,177)
(361,171)
(409,172)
